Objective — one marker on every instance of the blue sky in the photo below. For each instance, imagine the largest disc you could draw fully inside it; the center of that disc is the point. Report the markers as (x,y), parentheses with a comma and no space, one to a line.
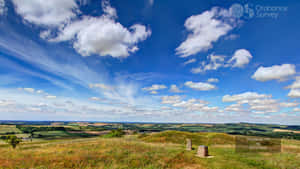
(150,61)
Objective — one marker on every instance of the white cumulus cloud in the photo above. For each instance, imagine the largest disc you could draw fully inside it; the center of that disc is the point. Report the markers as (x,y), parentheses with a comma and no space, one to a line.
(244,96)
(191,105)
(100,86)
(214,63)
(199,86)
(95,98)
(289,104)
(46,13)
(50,97)
(108,10)
(89,35)
(154,88)
(39,91)
(175,89)
(212,80)
(295,88)
(295,84)
(6,102)
(275,72)
(102,35)
(296,109)
(170,99)
(252,102)
(240,58)
(205,29)
(294,93)
(27,89)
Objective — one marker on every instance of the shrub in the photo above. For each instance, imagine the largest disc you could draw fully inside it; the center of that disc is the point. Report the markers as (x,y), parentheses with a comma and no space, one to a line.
(13,140)
(143,135)
(115,133)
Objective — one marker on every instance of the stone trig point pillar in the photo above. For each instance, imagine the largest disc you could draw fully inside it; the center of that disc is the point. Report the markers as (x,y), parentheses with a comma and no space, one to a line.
(188,144)
(202,151)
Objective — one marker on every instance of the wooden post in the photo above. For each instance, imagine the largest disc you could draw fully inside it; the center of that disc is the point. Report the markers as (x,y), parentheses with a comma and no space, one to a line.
(188,144)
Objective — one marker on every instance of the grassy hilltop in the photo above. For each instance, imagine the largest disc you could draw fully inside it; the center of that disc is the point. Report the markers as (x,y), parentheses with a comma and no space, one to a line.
(149,151)
(179,137)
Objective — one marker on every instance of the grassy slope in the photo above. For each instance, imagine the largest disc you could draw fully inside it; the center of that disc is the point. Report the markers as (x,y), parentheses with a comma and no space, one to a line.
(179,137)
(96,153)
(222,147)
(130,152)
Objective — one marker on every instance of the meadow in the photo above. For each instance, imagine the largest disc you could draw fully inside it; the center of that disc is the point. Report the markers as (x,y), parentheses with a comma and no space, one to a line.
(150,151)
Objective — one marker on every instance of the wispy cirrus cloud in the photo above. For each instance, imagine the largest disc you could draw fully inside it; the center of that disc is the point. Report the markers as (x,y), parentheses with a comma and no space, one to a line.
(2,7)
(151,2)
(48,64)
(175,89)
(189,61)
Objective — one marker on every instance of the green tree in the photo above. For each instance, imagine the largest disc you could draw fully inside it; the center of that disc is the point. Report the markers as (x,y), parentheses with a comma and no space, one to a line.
(13,140)
(31,133)
(115,133)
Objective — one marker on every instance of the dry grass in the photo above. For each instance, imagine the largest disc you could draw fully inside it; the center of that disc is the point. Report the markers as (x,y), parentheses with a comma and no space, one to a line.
(95,153)
(130,152)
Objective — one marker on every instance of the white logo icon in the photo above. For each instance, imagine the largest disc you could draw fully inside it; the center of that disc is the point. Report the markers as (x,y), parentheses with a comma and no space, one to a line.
(238,10)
